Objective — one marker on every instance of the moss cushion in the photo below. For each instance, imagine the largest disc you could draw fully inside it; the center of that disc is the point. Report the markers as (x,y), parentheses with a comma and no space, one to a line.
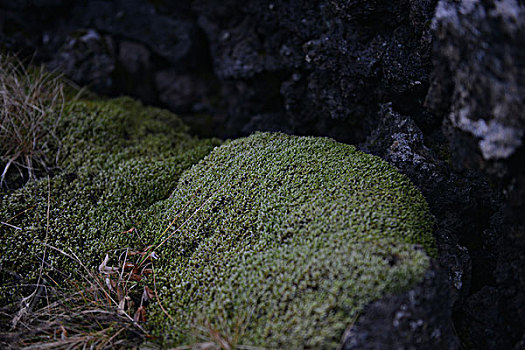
(279,240)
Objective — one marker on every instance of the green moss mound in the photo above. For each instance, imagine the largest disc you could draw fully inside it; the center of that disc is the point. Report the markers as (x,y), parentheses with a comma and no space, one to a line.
(118,158)
(279,241)
(287,238)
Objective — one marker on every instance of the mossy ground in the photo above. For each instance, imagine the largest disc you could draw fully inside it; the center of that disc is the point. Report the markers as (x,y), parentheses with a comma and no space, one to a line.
(283,239)
(118,158)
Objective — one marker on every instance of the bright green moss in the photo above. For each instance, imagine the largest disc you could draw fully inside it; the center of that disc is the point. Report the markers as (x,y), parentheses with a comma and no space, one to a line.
(118,159)
(285,238)
(97,134)
(299,233)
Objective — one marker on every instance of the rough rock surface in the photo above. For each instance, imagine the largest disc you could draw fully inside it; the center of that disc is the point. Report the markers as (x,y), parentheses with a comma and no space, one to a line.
(434,87)
(459,201)
(479,77)
(478,86)
(417,319)
(308,67)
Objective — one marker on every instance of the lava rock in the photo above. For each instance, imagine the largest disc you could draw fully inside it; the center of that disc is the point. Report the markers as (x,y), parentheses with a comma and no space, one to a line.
(332,62)
(459,200)
(478,87)
(88,58)
(479,65)
(322,66)
(417,319)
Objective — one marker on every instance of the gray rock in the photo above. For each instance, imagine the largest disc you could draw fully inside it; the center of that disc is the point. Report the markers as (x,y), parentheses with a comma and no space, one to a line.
(417,319)
(479,65)
(88,58)
(478,85)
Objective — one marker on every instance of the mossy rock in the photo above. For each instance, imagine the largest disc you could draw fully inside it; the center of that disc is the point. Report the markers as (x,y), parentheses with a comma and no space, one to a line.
(289,237)
(280,240)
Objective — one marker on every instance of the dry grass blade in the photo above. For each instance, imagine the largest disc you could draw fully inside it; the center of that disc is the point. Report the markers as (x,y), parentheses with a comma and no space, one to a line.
(149,252)
(85,314)
(31,106)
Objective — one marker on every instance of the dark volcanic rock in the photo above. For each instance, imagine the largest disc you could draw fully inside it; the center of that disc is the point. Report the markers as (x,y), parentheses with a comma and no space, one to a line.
(87,58)
(332,61)
(320,67)
(462,202)
(115,47)
(417,319)
(478,85)
(479,77)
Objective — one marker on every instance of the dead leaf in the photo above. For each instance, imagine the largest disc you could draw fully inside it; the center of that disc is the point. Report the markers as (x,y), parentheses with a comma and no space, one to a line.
(131,304)
(121,306)
(106,270)
(62,331)
(109,284)
(134,277)
(120,293)
(140,314)
(149,293)
(63,334)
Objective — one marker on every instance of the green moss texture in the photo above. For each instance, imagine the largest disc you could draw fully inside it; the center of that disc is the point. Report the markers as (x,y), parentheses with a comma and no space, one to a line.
(118,158)
(279,239)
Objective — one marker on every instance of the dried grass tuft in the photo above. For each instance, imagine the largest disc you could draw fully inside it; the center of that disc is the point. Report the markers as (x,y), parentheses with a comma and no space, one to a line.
(104,310)
(31,106)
